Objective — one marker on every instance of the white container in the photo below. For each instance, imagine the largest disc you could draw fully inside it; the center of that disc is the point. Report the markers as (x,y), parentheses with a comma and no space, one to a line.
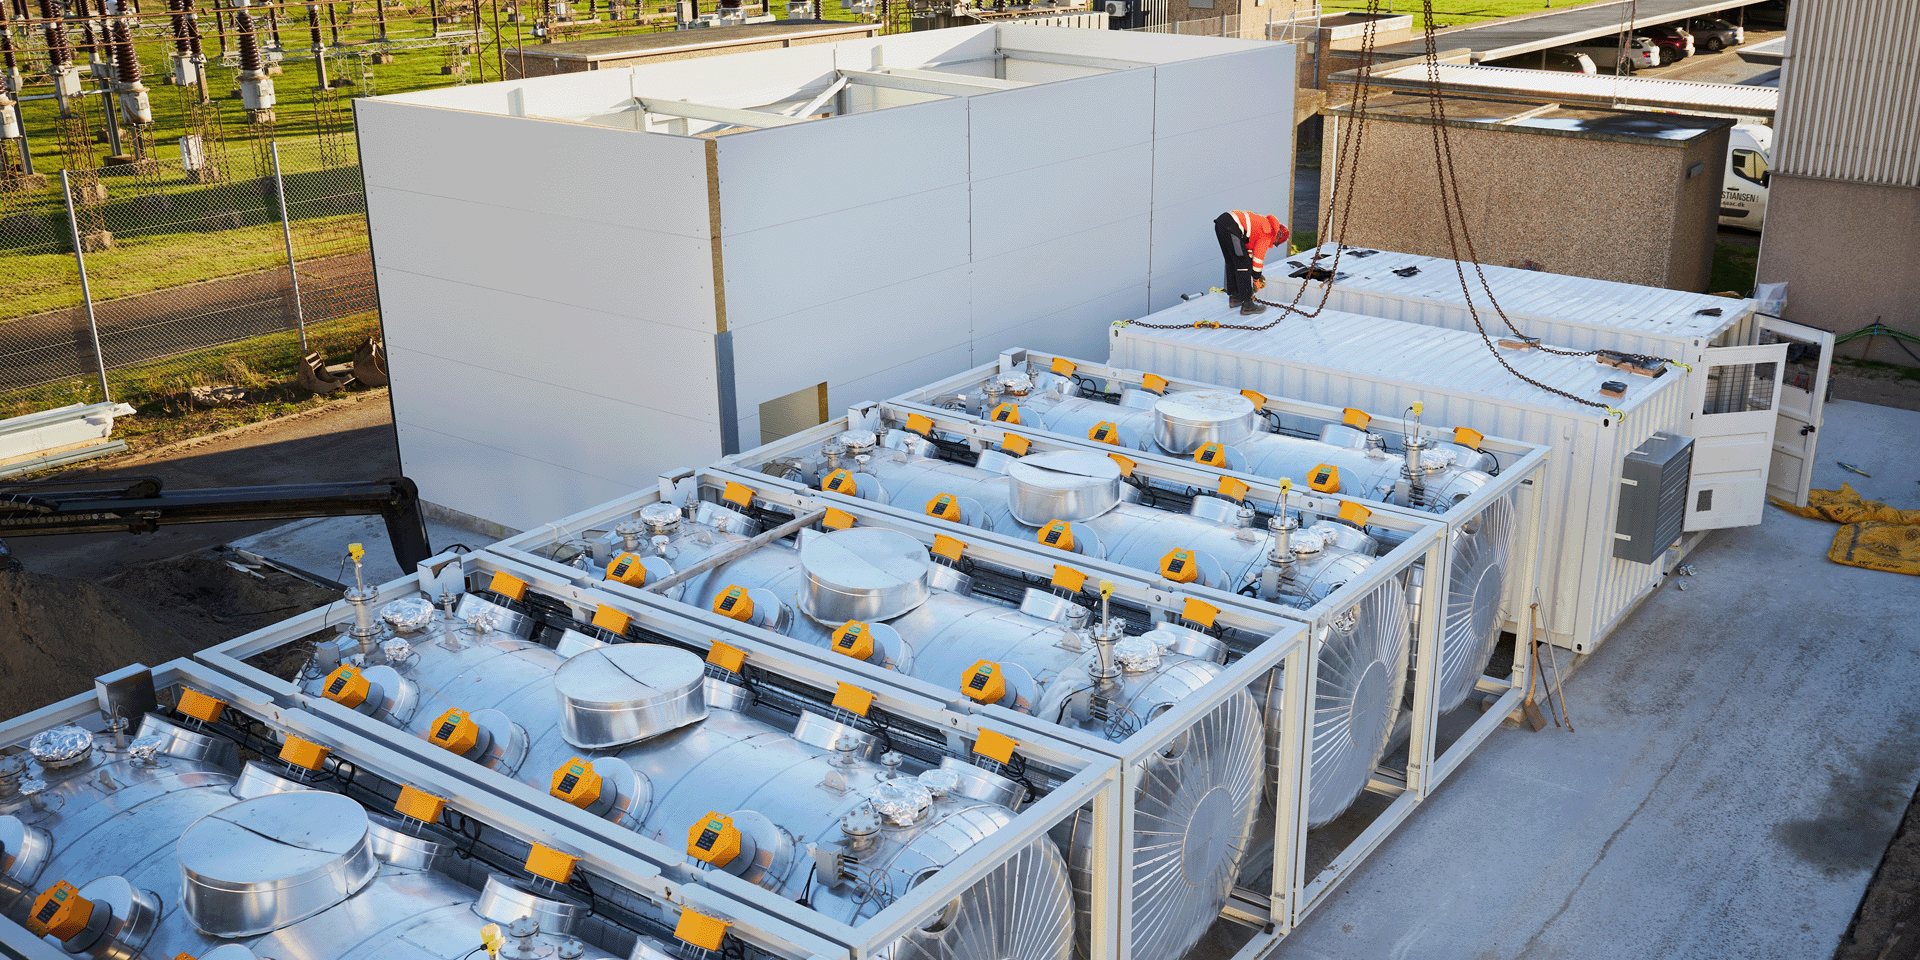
(1741,453)
(1386,366)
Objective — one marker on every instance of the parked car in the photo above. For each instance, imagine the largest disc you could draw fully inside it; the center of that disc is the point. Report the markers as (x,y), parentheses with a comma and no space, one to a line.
(1675,44)
(1743,197)
(1564,61)
(1640,52)
(1715,34)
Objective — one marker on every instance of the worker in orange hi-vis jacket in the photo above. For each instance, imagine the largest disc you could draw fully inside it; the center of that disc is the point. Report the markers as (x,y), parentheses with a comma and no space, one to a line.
(1245,238)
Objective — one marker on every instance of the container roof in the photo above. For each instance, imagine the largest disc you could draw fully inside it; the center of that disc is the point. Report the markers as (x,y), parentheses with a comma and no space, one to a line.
(1607,304)
(1418,356)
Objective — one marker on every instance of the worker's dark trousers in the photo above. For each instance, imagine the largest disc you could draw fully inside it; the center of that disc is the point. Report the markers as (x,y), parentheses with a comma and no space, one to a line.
(1233,247)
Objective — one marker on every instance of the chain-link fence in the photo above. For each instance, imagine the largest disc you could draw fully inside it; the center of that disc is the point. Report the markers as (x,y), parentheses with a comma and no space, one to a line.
(148,279)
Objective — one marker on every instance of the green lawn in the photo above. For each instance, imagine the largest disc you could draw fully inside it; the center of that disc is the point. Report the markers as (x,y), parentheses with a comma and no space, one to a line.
(1733,269)
(1453,13)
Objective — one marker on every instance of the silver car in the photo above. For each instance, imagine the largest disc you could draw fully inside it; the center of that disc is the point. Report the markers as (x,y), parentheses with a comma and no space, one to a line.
(1715,34)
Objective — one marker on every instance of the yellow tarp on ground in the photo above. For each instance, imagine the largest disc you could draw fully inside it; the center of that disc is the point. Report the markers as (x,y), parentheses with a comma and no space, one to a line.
(1875,535)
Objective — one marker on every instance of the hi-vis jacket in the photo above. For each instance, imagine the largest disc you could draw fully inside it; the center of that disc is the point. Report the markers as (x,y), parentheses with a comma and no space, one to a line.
(1262,233)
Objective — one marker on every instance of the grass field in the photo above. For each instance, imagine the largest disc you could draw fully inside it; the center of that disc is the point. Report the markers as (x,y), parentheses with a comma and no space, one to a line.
(1453,13)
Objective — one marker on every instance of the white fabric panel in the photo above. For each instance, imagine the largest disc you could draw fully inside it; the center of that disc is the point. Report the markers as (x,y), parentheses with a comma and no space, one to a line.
(791,267)
(1020,210)
(588,430)
(503,161)
(620,355)
(1199,94)
(583,263)
(1015,130)
(872,332)
(792,173)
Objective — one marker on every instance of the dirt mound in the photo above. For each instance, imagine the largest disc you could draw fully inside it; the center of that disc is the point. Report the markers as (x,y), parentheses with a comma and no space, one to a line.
(57,634)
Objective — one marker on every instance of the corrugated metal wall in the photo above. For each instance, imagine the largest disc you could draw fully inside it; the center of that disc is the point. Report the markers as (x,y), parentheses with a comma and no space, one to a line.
(1850,93)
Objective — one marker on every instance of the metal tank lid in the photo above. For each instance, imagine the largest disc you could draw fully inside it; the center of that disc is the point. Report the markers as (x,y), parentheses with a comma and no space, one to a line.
(864,574)
(1186,421)
(626,692)
(1071,485)
(61,746)
(262,864)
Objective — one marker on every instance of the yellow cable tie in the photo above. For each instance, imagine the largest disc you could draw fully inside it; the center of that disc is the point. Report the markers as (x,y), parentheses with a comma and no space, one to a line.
(1688,367)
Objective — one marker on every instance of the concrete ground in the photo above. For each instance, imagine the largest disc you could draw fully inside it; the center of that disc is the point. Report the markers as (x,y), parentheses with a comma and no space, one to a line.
(319,546)
(1743,754)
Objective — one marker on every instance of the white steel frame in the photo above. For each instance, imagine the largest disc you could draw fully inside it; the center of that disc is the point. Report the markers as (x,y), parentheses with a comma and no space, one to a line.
(1523,468)
(1090,779)
(769,932)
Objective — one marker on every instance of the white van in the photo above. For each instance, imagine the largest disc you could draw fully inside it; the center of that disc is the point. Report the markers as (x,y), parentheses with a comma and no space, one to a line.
(1743,198)
(1640,52)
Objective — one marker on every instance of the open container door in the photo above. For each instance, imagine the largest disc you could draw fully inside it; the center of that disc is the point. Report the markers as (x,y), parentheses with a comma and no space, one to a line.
(1732,413)
(1803,405)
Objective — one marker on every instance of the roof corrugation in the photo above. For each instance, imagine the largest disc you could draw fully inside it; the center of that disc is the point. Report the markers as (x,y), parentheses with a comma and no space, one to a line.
(1592,89)
(1408,352)
(1551,296)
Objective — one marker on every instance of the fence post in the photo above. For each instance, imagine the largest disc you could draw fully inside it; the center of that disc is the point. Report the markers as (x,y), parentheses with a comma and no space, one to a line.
(86,294)
(286,235)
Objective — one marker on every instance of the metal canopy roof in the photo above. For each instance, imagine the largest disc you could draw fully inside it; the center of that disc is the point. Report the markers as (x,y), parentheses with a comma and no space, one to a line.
(1516,35)
(1581,89)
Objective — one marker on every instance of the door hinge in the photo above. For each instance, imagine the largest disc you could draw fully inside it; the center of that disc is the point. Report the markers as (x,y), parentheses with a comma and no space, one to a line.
(1809,428)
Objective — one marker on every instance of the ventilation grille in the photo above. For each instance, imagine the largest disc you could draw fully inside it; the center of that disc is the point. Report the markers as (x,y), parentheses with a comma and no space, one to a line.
(1653,497)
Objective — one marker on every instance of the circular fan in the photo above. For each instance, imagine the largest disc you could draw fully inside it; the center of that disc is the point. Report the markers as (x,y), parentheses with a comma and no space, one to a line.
(1470,620)
(1362,668)
(1020,911)
(1193,813)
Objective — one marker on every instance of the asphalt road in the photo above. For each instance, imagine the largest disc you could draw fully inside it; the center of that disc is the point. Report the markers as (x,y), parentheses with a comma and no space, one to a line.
(340,441)
(57,344)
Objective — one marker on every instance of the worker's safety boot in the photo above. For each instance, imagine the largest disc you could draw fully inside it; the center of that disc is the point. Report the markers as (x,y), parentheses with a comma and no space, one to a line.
(1252,307)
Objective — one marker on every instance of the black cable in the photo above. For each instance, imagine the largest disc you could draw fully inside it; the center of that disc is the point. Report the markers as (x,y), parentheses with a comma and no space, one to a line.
(806,890)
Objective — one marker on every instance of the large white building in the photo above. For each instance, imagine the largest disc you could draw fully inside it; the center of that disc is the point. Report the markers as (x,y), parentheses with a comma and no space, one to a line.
(587,279)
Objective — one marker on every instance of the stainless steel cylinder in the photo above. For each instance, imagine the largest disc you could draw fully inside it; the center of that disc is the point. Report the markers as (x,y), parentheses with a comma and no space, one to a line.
(863,574)
(1063,485)
(625,693)
(1192,419)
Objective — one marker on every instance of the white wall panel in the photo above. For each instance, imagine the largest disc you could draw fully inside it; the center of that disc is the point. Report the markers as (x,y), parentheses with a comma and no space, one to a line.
(507,488)
(873,331)
(1078,331)
(1119,44)
(804,170)
(617,354)
(1199,94)
(512,163)
(1166,288)
(734,80)
(920,48)
(588,429)
(592,264)
(1183,230)
(1027,284)
(1037,71)
(1020,210)
(795,266)
(1017,130)
(1188,166)
(881,384)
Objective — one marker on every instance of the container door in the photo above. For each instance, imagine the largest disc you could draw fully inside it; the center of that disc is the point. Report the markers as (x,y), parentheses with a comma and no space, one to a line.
(1733,400)
(1803,402)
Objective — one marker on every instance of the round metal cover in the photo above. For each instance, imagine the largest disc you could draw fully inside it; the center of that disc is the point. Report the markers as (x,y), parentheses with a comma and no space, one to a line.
(627,692)
(407,614)
(60,746)
(863,574)
(262,864)
(23,850)
(1470,619)
(1192,419)
(1071,485)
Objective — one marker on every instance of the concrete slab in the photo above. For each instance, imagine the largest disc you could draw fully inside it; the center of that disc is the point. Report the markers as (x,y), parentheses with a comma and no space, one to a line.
(1743,754)
(319,545)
